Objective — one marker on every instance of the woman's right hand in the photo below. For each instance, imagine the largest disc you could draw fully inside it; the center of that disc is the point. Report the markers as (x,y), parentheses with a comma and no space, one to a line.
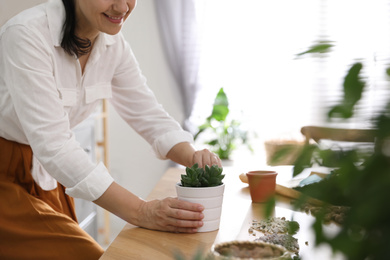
(170,214)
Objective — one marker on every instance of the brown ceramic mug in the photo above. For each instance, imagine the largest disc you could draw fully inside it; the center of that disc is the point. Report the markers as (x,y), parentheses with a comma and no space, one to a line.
(262,185)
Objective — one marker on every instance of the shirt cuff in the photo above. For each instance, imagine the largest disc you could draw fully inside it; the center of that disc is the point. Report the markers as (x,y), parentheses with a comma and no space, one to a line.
(93,186)
(164,143)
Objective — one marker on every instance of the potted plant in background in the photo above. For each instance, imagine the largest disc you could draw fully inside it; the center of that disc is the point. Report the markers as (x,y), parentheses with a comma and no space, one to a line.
(204,186)
(223,135)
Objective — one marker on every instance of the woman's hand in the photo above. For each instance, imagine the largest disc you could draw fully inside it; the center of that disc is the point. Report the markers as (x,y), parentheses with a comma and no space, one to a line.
(205,157)
(171,214)
(185,154)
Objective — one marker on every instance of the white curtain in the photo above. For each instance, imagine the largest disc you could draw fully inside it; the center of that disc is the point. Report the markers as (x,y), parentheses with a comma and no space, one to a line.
(178,23)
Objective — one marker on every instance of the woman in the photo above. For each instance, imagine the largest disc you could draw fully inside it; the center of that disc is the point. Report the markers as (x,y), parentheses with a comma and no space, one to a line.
(57,61)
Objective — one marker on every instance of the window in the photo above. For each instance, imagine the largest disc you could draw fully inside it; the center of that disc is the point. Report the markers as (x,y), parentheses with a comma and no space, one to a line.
(250,47)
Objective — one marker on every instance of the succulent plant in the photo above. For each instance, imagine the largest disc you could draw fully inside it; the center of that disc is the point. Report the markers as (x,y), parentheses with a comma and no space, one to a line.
(202,177)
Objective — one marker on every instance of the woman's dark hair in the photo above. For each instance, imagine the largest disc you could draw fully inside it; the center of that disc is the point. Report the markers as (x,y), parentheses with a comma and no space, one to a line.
(71,43)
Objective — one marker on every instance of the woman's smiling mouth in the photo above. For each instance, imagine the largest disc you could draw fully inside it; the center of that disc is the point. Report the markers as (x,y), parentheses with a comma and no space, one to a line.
(114,19)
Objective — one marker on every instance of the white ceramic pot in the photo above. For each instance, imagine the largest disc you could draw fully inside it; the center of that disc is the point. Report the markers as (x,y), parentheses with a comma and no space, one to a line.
(210,197)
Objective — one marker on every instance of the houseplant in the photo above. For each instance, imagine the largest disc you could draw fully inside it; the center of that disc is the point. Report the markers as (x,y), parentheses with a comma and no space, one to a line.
(204,186)
(360,181)
(223,135)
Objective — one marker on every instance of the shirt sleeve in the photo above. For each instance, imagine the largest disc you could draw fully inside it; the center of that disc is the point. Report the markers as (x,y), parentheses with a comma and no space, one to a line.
(29,76)
(137,105)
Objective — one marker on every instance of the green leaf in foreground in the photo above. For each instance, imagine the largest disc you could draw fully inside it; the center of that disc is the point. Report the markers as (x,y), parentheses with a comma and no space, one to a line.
(322,47)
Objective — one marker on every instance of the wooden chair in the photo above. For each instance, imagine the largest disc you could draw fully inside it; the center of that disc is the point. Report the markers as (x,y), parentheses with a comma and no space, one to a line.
(318,133)
(334,142)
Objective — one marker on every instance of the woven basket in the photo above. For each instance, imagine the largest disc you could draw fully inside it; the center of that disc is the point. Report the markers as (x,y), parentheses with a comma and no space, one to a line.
(222,251)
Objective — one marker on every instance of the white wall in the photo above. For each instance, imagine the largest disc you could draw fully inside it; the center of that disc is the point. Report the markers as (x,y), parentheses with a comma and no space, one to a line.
(9,8)
(131,161)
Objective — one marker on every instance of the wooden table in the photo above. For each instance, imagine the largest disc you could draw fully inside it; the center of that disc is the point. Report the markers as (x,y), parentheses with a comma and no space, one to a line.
(238,211)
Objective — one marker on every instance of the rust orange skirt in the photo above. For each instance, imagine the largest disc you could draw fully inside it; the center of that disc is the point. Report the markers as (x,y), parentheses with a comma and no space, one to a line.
(34,223)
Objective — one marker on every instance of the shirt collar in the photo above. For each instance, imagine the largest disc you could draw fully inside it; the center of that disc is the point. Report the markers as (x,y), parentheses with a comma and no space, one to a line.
(56,18)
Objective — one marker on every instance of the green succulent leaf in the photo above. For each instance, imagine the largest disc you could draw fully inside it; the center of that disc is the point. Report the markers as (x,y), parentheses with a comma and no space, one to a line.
(212,176)
(199,177)
(192,176)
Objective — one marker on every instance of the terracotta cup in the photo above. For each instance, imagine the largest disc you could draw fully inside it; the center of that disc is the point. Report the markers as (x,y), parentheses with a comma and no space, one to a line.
(261,185)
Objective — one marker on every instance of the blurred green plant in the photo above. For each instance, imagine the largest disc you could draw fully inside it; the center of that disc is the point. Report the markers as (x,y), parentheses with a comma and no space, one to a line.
(320,47)
(360,180)
(225,135)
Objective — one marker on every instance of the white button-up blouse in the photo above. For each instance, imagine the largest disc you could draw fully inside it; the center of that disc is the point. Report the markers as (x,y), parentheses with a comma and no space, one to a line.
(44,94)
